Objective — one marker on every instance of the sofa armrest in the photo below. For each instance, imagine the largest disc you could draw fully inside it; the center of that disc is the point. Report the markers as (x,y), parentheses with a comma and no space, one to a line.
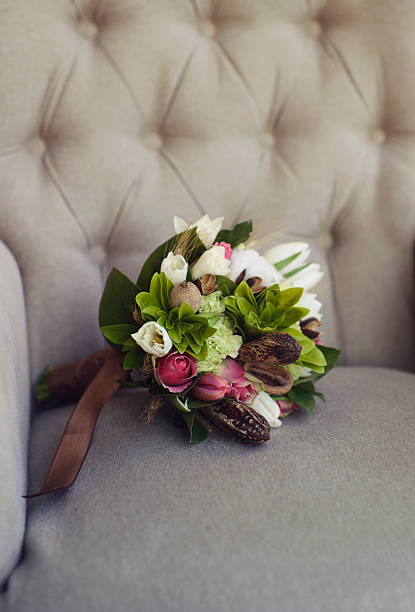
(14,412)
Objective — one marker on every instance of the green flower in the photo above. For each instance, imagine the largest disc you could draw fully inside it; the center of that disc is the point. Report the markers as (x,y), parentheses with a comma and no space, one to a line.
(212,305)
(223,343)
(187,330)
(271,311)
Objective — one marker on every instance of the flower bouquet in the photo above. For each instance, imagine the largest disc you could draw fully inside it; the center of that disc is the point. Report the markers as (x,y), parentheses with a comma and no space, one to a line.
(229,337)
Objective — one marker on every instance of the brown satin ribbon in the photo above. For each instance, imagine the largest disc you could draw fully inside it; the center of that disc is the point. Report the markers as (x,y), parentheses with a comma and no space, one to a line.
(78,433)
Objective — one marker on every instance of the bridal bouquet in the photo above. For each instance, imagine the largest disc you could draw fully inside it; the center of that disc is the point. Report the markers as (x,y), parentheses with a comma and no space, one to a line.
(229,337)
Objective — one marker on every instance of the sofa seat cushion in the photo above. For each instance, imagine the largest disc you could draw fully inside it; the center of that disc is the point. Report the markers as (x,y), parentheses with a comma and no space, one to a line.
(319,519)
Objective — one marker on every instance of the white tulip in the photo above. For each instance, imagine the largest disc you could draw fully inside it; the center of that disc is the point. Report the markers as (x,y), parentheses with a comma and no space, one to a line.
(308,277)
(268,408)
(255,265)
(207,229)
(212,261)
(153,339)
(175,268)
(282,252)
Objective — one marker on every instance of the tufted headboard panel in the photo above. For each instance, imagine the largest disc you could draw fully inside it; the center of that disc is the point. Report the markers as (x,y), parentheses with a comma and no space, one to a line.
(117,114)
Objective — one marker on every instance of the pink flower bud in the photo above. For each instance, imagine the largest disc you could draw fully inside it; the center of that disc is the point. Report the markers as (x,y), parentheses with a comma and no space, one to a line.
(227,247)
(210,388)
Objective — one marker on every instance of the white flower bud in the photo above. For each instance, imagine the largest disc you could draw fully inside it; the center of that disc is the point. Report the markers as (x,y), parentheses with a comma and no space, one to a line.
(268,408)
(153,339)
(175,268)
(212,261)
(207,229)
(282,252)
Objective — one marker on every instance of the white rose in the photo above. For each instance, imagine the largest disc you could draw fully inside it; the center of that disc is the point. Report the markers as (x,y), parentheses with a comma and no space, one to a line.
(153,339)
(268,408)
(212,261)
(255,265)
(207,229)
(175,268)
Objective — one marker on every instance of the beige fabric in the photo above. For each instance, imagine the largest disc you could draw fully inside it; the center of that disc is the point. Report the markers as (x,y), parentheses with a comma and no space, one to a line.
(120,113)
(14,412)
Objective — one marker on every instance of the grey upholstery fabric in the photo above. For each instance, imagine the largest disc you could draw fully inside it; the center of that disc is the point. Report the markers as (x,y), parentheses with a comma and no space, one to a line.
(320,519)
(14,412)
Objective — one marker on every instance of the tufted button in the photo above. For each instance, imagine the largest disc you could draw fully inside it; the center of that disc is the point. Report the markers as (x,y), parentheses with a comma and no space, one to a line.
(325,240)
(378,136)
(313,28)
(36,146)
(97,254)
(266,140)
(207,28)
(88,28)
(153,141)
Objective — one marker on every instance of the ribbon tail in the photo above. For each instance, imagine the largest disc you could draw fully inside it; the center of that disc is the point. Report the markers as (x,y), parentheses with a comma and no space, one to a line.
(75,442)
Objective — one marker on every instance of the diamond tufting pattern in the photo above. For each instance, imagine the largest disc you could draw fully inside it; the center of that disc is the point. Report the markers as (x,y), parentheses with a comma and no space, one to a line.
(297,113)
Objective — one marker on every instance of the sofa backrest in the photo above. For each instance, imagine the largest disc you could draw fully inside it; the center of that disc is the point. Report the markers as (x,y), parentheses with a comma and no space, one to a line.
(300,114)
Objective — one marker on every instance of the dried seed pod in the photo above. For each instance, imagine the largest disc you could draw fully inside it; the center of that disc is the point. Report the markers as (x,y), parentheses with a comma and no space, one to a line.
(309,328)
(275,379)
(207,284)
(236,420)
(185,292)
(240,277)
(255,284)
(137,316)
(278,347)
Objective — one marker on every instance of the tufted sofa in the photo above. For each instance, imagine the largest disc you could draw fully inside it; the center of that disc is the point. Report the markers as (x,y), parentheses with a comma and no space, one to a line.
(117,114)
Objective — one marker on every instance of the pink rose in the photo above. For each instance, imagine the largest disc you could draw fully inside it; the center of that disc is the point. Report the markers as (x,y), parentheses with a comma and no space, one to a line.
(227,247)
(240,388)
(210,388)
(175,371)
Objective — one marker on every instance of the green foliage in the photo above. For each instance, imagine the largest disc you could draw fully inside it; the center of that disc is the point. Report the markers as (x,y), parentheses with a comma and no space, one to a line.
(225,285)
(117,303)
(134,358)
(119,334)
(153,262)
(273,310)
(297,270)
(332,357)
(239,234)
(187,409)
(187,330)
(155,302)
(304,395)
(311,356)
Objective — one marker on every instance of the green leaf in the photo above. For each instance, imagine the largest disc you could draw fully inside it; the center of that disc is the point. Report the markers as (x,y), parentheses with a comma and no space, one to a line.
(153,262)
(118,334)
(240,233)
(293,315)
(118,300)
(303,398)
(283,263)
(133,359)
(296,270)
(155,302)
(197,433)
(225,285)
(332,356)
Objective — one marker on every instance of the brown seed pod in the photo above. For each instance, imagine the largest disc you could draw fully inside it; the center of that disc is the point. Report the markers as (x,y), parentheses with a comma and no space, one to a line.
(236,420)
(207,284)
(276,380)
(137,316)
(278,347)
(240,277)
(255,284)
(309,328)
(185,292)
